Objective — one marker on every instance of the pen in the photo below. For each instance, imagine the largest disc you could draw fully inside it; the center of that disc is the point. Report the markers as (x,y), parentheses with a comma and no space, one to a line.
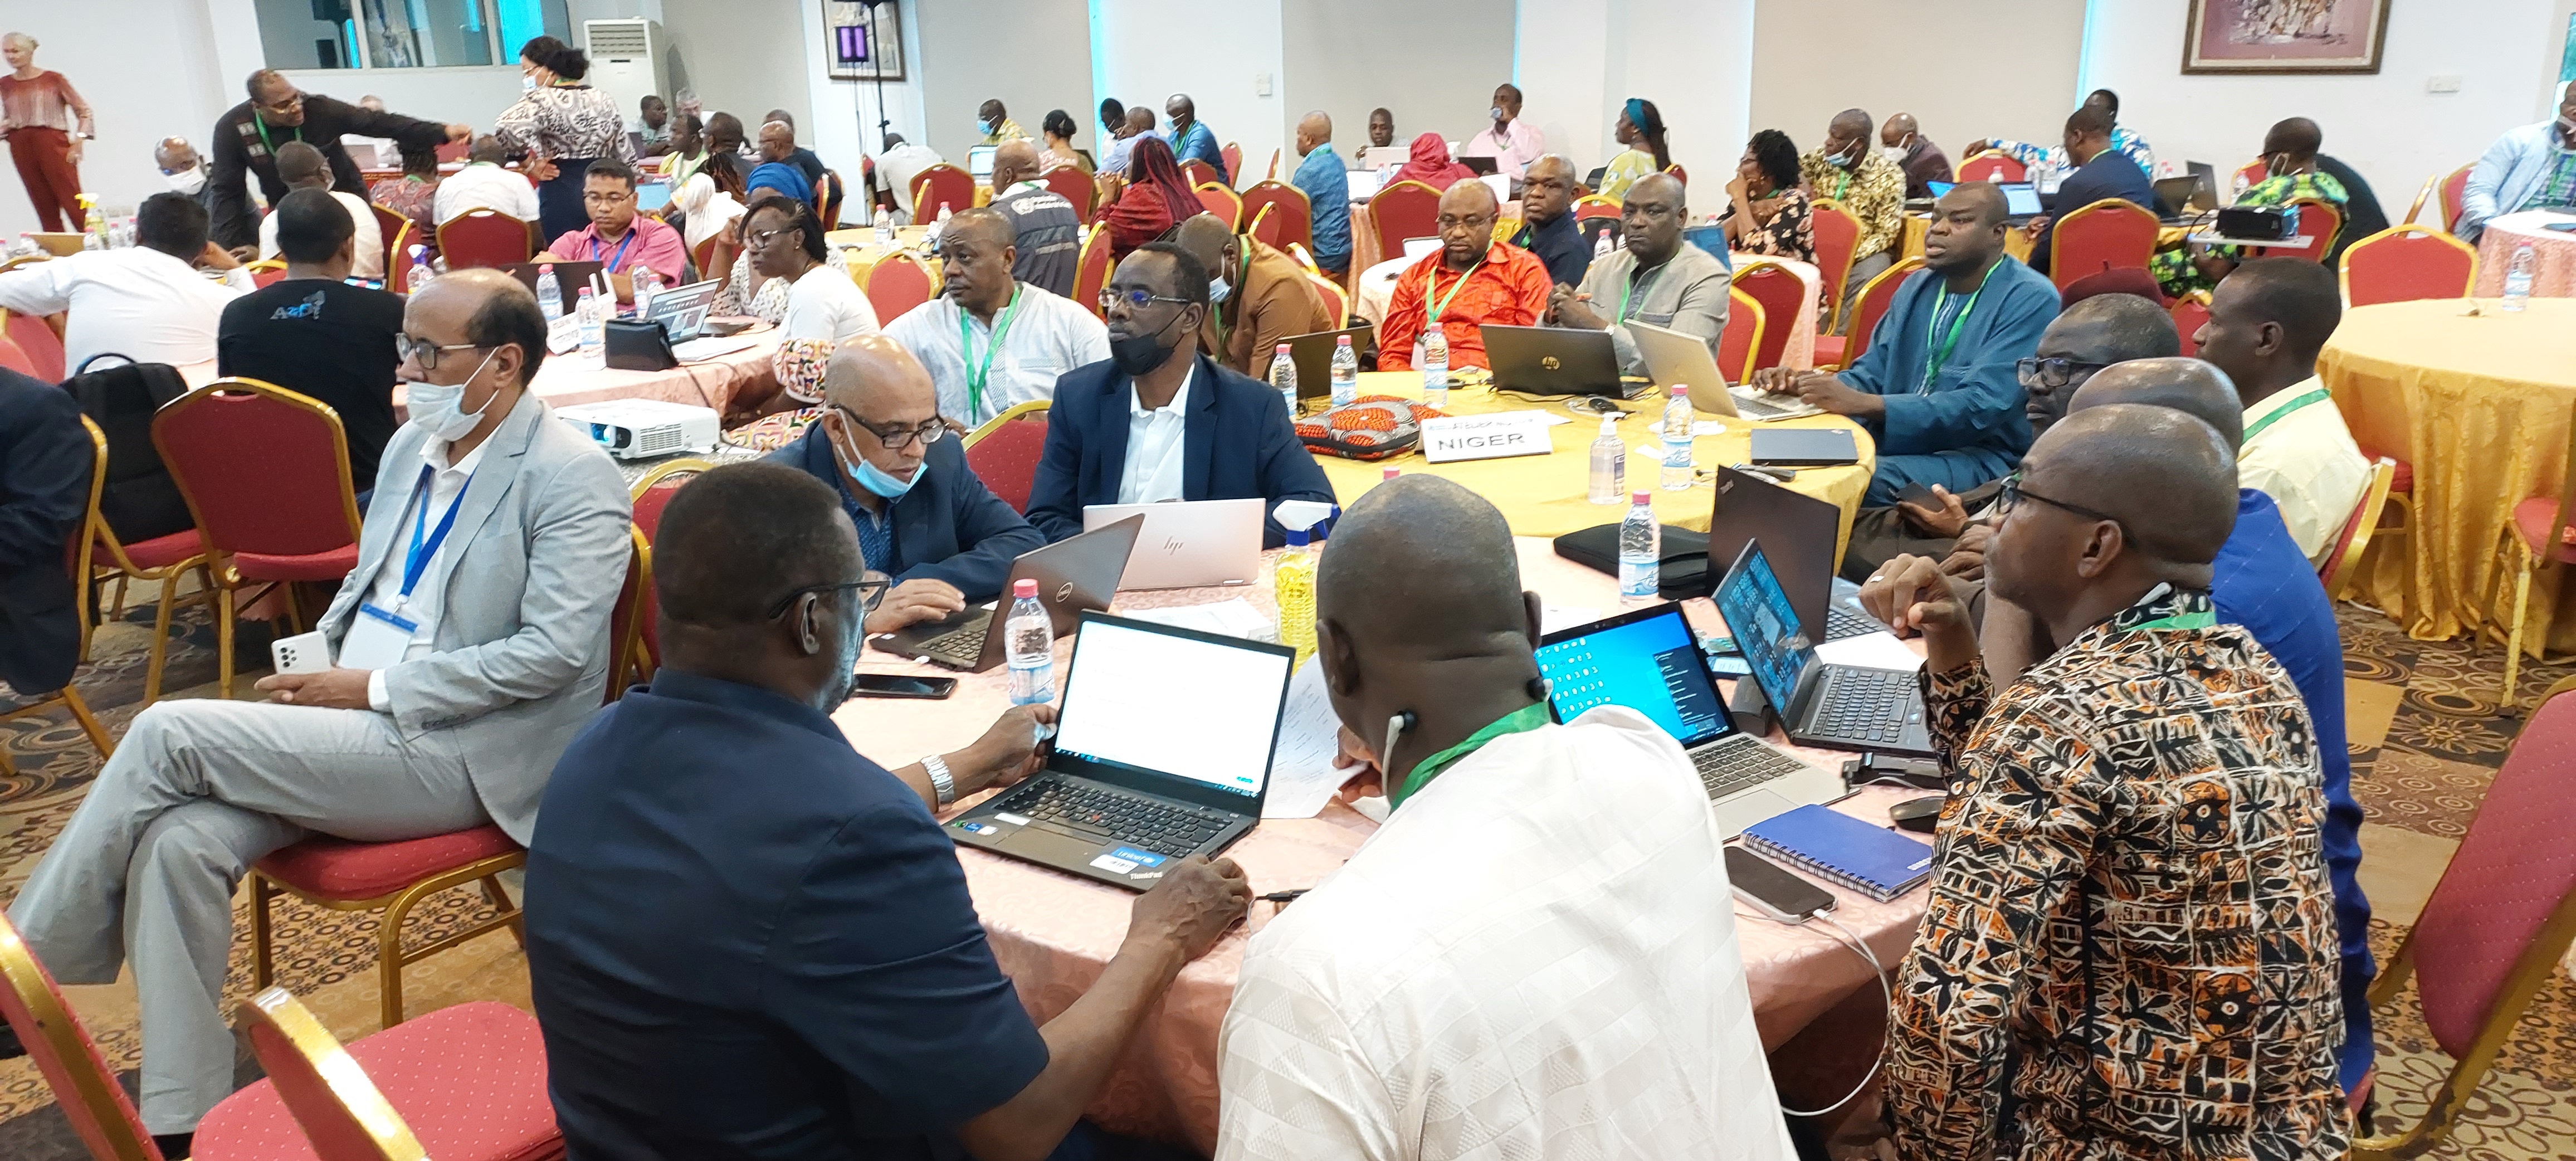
(1283,897)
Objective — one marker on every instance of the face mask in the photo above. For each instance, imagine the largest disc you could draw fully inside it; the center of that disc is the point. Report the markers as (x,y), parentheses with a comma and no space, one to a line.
(1137,354)
(1894,153)
(187,181)
(983,126)
(2567,125)
(1217,290)
(434,405)
(1847,158)
(527,82)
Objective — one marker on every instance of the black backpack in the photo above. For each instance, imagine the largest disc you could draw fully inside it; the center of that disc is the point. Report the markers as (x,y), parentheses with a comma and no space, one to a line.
(140,500)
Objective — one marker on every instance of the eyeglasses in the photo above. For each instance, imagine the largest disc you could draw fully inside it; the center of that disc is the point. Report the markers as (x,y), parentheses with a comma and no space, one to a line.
(2012,494)
(288,105)
(606,197)
(1136,299)
(871,589)
(2053,373)
(897,437)
(1450,222)
(424,351)
(760,239)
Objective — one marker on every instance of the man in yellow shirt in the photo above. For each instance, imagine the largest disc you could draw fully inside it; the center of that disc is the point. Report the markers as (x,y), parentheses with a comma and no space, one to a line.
(2267,321)
(994,122)
(1867,185)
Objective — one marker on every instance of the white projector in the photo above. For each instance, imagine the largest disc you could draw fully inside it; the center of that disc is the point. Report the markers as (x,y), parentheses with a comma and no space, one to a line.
(638,429)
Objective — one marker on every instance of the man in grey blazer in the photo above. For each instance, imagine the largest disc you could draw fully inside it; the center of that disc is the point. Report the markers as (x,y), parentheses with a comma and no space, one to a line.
(471,644)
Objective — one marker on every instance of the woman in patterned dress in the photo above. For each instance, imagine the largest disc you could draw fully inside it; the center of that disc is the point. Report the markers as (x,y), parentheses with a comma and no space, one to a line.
(564,125)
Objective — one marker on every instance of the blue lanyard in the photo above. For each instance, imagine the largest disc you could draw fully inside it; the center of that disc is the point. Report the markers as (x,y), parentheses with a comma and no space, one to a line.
(616,256)
(423,552)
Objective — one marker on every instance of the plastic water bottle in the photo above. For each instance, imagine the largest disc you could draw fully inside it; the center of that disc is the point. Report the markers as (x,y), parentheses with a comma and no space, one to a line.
(594,330)
(1609,464)
(1029,639)
(420,272)
(549,292)
(1640,552)
(1677,440)
(1435,368)
(93,224)
(25,245)
(647,284)
(2517,278)
(1346,372)
(1601,245)
(939,228)
(1283,375)
(885,228)
(1293,586)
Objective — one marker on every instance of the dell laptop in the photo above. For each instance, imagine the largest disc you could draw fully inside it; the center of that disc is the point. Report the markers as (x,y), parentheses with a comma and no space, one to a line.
(1188,543)
(1552,360)
(1839,707)
(1801,532)
(1074,576)
(1648,661)
(1677,359)
(1312,355)
(1132,786)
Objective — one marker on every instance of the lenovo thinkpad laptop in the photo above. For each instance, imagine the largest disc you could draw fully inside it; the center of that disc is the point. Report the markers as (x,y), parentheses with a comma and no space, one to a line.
(1074,576)
(1800,532)
(1841,707)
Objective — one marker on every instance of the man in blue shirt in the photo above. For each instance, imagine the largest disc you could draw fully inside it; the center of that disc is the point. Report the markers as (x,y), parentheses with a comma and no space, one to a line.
(1189,138)
(2102,172)
(745,940)
(923,516)
(1937,389)
(1547,229)
(1326,183)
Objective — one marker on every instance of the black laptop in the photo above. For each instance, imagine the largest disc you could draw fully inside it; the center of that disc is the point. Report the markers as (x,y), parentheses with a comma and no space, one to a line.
(570,277)
(1839,707)
(1800,531)
(1313,356)
(1551,360)
(1074,575)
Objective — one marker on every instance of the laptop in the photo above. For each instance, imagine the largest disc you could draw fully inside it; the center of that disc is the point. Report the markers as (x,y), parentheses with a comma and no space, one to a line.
(1839,707)
(1385,156)
(2179,199)
(1552,360)
(682,310)
(1480,164)
(1648,661)
(1074,575)
(2021,202)
(1188,544)
(1132,786)
(979,163)
(1313,356)
(1364,183)
(1674,358)
(570,277)
(1712,241)
(1801,531)
(651,196)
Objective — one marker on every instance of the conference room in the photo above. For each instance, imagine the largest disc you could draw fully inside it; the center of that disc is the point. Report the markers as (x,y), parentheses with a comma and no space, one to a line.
(1693,580)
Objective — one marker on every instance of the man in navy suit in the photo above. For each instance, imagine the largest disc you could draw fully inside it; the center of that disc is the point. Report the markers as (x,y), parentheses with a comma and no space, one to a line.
(923,516)
(45,461)
(1159,421)
(2101,172)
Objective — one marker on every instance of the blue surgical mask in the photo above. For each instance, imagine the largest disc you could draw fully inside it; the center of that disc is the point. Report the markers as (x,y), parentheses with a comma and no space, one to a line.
(983,126)
(1217,290)
(878,481)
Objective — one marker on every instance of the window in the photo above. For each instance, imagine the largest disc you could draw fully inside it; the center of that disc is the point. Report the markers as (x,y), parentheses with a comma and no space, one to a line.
(403,34)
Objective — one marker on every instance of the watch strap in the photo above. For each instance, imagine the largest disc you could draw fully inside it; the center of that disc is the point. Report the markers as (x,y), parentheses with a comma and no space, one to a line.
(942,786)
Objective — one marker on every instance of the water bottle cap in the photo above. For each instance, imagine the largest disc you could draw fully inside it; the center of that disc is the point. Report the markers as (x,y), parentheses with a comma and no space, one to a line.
(1024,587)
(1283,348)
(545,267)
(1342,341)
(1681,391)
(1390,473)
(1640,497)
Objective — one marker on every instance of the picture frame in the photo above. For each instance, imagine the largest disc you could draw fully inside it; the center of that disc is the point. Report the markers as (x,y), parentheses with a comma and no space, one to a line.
(863,40)
(2272,37)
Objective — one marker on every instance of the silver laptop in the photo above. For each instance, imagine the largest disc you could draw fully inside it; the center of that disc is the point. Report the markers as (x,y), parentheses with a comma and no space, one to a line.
(1648,661)
(1188,544)
(1676,358)
(682,310)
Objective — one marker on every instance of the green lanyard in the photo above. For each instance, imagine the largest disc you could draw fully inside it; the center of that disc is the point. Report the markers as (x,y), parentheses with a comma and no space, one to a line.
(977,374)
(1941,348)
(1216,315)
(2201,620)
(1634,282)
(1440,305)
(2283,413)
(1522,720)
(257,123)
(1845,187)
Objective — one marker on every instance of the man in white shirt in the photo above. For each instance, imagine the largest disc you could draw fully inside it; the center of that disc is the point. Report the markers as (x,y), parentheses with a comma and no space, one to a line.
(1512,142)
(484,185)
(897,164)
(148,301)
(992,343)
(302,166)
(464,663)
(2267,321)
(1536,955)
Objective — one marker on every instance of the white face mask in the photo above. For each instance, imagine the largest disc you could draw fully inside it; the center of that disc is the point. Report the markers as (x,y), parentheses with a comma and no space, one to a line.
(187,181)
(436,406)
(527,82)
(1217,290)
(1895,153)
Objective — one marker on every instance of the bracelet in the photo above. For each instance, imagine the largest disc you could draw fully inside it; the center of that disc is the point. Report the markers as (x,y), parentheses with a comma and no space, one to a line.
(942,787)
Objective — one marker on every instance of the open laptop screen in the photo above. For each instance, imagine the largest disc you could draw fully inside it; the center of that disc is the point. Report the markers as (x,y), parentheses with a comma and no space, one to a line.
(2021,198)
(1645,661)
(979,162)
(1162,701)
(1765,627)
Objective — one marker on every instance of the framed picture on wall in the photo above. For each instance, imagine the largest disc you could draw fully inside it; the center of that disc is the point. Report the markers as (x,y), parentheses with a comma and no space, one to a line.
(2284,36)
(863,40)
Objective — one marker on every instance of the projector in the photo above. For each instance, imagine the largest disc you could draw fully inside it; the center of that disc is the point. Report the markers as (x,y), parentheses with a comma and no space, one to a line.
(638,429)
(2269,224)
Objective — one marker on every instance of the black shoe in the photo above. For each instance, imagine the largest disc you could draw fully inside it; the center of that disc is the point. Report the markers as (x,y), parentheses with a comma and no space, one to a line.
(10,1049)
(174,1146)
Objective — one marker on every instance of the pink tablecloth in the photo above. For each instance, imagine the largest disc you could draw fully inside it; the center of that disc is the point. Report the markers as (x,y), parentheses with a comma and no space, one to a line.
(1377,286)
(1052,933)
(2555,252)
(564,380)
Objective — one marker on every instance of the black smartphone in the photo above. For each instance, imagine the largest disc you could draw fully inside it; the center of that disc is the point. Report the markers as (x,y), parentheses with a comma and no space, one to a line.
(902,685)
(1919,494)
(1776,892)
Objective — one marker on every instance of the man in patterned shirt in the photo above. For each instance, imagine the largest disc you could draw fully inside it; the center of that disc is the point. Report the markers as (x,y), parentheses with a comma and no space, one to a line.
(2290,174)
(2124,140)
(1869,186)
(2129,950)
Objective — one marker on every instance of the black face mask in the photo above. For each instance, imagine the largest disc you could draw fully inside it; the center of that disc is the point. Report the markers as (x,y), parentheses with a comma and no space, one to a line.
(1138,354)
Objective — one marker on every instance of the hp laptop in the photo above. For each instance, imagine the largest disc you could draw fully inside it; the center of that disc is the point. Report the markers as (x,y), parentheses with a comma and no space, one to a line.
(1648,661)
(1313,356)
(1188,543)
(1839,707)
(1074,576)
(1552,360)
(1132,786)
(1674,358)
(1801,531)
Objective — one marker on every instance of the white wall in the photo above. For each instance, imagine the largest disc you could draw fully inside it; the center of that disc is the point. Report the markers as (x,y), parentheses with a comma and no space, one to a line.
(1347,57)
(2386,125)
(2020,95)
(1578,61)
(1048,47)
(1146,50)
(151,79)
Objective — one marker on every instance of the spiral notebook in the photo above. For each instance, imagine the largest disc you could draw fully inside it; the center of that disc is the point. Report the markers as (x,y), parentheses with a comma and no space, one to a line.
(1831,845)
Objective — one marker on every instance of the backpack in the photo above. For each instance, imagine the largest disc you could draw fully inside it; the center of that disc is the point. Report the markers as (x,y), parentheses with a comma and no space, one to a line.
(140,501)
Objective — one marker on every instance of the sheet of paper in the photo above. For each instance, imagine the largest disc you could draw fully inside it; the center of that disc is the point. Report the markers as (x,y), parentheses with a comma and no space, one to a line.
(1880,650)
(1234,617)
(1302,778)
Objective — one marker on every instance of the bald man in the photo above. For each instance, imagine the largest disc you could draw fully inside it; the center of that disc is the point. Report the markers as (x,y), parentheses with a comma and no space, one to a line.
(1653,277)
(183,169)
(1902,141)
(1547,220)
(302,166)
(2130,929)
(1471,280)
(1187,137)
(1436,997)
(1869,186)
(1258,296)
(2292,172)
(1512,142)
(1325,179)
(923,516)
(990,341)
(1046,229)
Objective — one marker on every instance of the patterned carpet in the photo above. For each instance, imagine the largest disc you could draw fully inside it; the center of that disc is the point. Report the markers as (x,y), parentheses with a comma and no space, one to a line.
(2425,737)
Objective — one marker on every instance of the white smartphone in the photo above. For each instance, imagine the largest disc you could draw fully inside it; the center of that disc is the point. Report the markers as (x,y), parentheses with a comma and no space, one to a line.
(302,653)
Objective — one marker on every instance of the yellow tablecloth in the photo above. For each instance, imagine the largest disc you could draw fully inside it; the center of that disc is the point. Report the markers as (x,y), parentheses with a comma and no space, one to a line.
(859,248)
(1544,495)
(2478,403)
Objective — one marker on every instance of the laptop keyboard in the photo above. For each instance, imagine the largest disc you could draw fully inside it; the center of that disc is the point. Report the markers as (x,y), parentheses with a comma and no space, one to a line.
(1843,621)
(963,644)
(1106,813)
(1731,766)
(1869,705)
(1757,409)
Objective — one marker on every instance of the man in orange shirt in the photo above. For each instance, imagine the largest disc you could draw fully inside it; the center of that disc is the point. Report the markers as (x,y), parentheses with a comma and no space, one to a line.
(1472,280)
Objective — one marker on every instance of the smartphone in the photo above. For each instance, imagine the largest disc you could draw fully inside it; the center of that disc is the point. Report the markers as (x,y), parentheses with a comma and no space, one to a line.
(1776,892)
(1919,494)
(302,653)
(1730,665)
(902,685)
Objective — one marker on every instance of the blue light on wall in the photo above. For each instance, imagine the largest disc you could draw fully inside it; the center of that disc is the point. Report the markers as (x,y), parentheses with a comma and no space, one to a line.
(521,22)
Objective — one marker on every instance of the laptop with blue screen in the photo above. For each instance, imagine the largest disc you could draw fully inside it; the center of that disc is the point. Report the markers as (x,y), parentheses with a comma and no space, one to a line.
(1839,707)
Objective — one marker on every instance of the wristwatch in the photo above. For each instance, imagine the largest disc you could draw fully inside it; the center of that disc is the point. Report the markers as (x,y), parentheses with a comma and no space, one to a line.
(942,787)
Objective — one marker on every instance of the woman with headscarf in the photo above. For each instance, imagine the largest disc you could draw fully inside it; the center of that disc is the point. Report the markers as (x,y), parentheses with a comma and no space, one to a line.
(1430,165)
(783,177)
(1156,197)
(564,125)
(707,210)
(1639,124)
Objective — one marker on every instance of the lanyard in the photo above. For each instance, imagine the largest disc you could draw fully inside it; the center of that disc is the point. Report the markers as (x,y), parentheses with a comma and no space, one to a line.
(423,552)
(1958,323)
(617,255)
(2283,413)
(1845,187)
(2201,620)
(1439,305)
(1216,313)
(262,126)
(1528,717)
(1634,282)
(978,374)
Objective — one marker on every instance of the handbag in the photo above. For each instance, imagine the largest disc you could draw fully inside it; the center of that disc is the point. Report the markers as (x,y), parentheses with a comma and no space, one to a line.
(139,500)
(638,346)
(1371,427)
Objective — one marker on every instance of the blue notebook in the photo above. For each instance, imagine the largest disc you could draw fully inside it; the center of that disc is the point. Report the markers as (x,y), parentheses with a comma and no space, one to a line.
(1829,844)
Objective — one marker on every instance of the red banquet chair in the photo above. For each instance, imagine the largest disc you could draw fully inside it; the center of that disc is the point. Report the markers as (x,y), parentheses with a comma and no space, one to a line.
(485,238)
(266,272)
(1993,165)
(2190,313)
(897,283)
(1834,352)
(1406,209)
(650,495)
(1091,270)
(265,472)
(1837,233)
(1073,185)
(2455,197)
(41,342)
(2404,263)
(1742,338)
(395,231)
(1233,155)
(940,185)
(1200,173)
(1226,204)
(15,358)
(2318,220)
(1296,216)
(1004,452)
(1265,227)
(2111,234)
(339,874)
(1781,294)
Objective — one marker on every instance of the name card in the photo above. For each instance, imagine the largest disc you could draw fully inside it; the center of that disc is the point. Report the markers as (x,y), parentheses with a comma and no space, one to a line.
(1454,438)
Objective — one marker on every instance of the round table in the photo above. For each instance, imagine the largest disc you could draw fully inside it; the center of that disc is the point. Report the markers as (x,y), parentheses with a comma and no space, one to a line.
(1545,496)
(2553,250)
(2477,401)
(1052,933)
(1377,286)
